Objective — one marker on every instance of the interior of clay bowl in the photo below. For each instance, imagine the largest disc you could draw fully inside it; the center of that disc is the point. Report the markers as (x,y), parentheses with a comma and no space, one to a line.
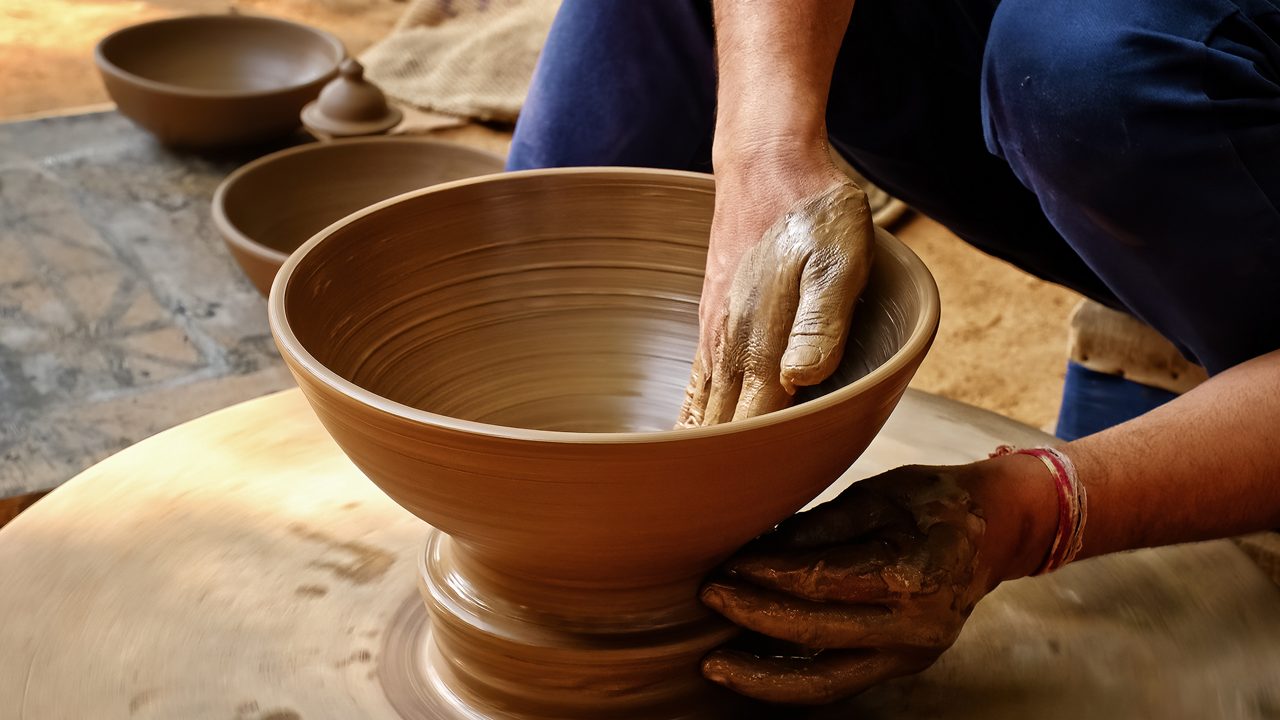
(222,54)
(506,356)
(568,306)
(268,208)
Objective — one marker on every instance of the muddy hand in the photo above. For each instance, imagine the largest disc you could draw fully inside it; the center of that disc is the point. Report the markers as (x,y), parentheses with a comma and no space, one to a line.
(775,314)
(873,585)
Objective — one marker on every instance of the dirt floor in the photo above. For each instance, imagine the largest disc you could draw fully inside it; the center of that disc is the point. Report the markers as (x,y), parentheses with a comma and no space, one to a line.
(1002,343)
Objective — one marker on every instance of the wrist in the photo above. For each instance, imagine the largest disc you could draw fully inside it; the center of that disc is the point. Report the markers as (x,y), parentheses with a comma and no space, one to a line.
(776,172)
(785,150)
(754,112)
(1018,500)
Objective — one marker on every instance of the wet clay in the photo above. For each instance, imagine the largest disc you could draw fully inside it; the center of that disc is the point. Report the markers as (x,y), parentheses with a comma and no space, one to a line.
(209,81)
(873,585)
(502,356)
(788,312)
(268,208)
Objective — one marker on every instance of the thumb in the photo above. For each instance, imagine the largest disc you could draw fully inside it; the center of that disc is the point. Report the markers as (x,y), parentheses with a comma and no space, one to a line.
(815,346)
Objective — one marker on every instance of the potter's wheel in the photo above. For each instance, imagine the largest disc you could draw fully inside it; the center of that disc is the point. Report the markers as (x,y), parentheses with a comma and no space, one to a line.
(238,566)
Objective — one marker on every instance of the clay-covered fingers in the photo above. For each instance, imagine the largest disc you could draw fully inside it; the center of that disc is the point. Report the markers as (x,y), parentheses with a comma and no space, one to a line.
(745,359)
(823,678)
(835,272)
(837,574)
(762,294)
(695,395)
(726,384)
(715,382)
(785,316)
(853,516)
(814,624)
(816,343)
(763,301)
(761,392)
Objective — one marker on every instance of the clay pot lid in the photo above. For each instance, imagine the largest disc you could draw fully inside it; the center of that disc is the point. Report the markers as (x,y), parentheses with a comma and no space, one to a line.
(350,105)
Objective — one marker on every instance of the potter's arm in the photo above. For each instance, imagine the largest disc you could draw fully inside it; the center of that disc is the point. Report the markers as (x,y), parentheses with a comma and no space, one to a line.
(775,64)
(1205,465)
(781,282)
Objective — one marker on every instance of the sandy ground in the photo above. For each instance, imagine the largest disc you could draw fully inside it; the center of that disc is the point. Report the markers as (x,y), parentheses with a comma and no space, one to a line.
(1002,343)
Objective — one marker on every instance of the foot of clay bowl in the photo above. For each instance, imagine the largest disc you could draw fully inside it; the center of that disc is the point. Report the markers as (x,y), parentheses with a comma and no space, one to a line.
(465,655)
(504,357)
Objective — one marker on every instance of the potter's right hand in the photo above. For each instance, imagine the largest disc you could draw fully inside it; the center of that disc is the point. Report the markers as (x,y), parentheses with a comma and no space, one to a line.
(790,251)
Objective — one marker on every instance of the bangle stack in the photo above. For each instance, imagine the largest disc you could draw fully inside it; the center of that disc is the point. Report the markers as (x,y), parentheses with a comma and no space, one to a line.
(1073,506)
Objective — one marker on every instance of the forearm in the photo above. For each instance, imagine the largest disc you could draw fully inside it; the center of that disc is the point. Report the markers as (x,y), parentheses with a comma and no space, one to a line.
(775,61)
(1203,466)
(1206,465)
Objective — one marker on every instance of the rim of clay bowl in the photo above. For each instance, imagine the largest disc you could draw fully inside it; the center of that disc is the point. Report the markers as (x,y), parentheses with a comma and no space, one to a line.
(235,236)
(106,65)
(921,335)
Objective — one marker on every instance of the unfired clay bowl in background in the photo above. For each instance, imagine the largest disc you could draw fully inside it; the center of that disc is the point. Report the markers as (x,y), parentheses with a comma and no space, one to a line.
(505,357)
(211,81)
(268,208)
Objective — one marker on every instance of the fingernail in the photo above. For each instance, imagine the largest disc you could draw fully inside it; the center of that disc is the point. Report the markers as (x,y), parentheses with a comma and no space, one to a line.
(713,597)
(801,356)
(712,671)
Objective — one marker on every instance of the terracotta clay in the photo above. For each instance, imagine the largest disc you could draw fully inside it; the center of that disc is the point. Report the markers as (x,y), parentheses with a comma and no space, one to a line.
(209,81)
(502,356)
(349,106)
(268,208)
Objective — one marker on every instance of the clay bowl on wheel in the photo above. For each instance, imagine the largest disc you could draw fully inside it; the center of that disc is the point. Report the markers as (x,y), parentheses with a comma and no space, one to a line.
(268,208)
(505,357)
(209,81)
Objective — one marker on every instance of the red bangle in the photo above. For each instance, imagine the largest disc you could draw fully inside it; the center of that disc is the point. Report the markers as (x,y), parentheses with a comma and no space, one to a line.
(1072,504)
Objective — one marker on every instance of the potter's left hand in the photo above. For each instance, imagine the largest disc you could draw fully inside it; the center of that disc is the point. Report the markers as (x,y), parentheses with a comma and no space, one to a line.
(878,582)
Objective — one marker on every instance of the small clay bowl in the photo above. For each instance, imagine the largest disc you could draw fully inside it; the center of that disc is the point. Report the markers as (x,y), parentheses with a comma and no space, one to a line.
(210,81)
(269,207)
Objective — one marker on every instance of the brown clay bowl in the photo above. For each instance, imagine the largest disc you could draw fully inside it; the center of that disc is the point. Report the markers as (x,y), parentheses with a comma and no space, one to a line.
(208,81)
(268,208)
(505,357)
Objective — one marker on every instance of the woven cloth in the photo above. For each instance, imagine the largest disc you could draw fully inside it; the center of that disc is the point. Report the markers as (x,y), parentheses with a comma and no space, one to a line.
(1115,343)
(471,58)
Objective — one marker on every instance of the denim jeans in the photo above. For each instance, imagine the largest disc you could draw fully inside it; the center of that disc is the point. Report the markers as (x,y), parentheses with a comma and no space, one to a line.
(1127,149)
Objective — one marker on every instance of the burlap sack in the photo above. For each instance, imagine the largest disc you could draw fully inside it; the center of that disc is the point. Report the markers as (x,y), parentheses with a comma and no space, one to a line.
(1116,343)
(471,58)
